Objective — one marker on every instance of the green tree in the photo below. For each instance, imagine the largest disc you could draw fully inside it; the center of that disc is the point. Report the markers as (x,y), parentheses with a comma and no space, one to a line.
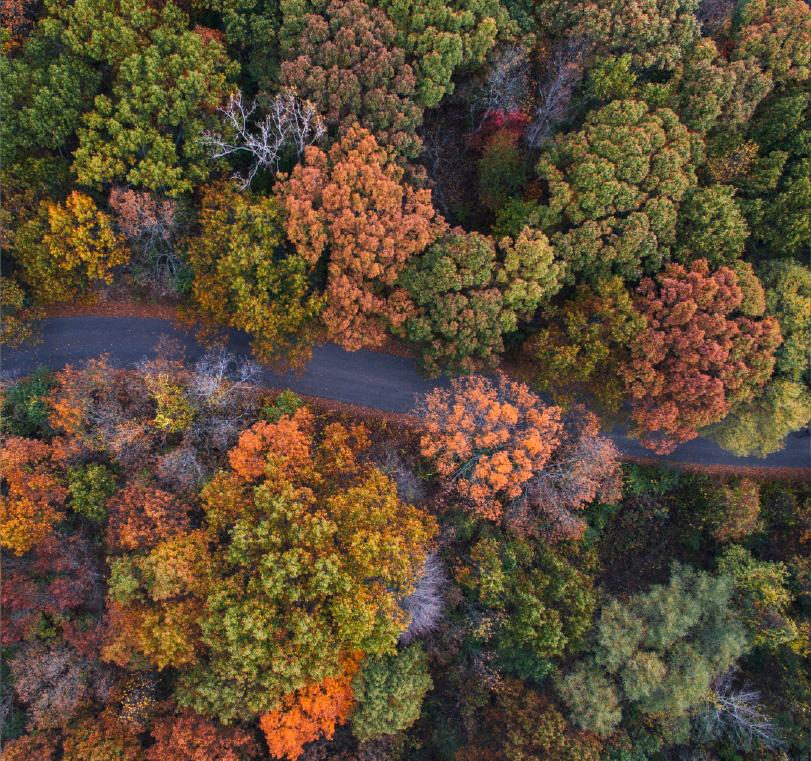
(315,551)
(245,278)
(90,486)
(389,690)
(540,605)
(468,295)
(24,412)
(658,652)
(582,342)
(711,227)
(615,187)
(501,169)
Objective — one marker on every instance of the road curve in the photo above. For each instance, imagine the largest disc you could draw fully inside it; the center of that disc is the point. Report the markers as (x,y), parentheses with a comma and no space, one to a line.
(365,378)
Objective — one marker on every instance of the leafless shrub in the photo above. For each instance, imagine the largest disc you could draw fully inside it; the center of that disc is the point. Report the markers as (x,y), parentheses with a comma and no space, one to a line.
(180,469)
(738,713)
(556,87)
(289,122)
(409,486)
(220,378)
(425,604)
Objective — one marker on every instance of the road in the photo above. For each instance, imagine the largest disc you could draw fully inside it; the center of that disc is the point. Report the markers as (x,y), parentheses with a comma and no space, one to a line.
(365,378)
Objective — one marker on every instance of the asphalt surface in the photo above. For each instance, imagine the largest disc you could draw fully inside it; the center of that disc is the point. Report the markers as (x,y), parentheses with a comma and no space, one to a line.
(365,378)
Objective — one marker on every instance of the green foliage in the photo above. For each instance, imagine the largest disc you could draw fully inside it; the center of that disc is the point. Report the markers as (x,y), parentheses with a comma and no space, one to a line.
(90,486)
(711,227)
(501,169)
(615,188)
(658,652)
(763,596)
(611,78)
(24,407)
(389,690)
(285,403)
(541,604)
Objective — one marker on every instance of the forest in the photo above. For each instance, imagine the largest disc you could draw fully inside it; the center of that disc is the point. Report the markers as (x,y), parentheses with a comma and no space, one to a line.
(585,212)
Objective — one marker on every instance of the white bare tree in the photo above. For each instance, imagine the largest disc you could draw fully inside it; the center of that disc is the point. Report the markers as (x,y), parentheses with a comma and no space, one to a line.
(425,604)
(738,713)
(555,90)
(290,122)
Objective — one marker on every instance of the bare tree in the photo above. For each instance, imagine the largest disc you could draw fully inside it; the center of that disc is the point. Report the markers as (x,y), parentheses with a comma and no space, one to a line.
(738,713)
(289,122)
(425,603)
(555,90)
(505,89)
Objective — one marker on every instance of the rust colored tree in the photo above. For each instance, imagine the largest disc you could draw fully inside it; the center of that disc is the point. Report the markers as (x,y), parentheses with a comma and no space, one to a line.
(697,357)
(189,737)
(352,205)
(512,459)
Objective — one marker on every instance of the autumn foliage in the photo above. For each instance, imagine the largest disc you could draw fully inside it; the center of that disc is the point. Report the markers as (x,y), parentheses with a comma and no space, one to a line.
(351,205)
(309,713)
(189,737)
(697,356)
(509,457)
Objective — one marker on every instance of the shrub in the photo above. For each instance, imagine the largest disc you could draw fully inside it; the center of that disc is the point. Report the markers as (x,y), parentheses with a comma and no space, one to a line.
(90,487)
(25,409)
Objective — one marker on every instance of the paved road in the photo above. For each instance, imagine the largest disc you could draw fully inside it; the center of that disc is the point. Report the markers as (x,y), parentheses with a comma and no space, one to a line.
(366,378)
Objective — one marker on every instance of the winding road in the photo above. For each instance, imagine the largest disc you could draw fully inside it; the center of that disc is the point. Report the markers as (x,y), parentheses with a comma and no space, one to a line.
(365,378)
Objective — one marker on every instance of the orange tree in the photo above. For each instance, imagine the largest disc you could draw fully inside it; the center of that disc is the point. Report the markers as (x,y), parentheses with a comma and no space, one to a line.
(308,553)
(351,205)
(698,355)
(512,459)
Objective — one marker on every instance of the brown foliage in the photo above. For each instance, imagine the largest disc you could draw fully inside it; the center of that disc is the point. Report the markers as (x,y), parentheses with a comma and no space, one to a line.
(190,737)
(101,738)
(41,746)
(34,497)
(309,713)
(696,358)
(736,510)
(139,517)
(351,202)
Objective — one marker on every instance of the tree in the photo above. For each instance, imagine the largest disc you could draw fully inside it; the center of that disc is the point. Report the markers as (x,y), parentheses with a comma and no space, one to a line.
(90,487)
(290,123)
(524,726)
(696,359)
(17,316)
(760,425)
(34,497)
(541,604)
(511,459)
(189,737)
(615,188)
(351,203)
(711,227)
(316,550)
(582,342)
(440,38)
(658,652)
(736,509)
(389,690)
(101,738)
(501,169)
(245,279)
(308,714)
(346,63)
(139,517)
(67,248)
(467,298)
(763,598)
(25,407)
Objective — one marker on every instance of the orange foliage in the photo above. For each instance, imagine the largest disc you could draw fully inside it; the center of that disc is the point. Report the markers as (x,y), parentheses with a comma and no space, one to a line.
(488,440)
(353,203)
(32,504)
(309,713)
(140,517)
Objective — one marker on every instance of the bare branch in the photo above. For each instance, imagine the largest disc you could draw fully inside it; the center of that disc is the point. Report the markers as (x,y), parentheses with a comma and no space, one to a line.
(290,122)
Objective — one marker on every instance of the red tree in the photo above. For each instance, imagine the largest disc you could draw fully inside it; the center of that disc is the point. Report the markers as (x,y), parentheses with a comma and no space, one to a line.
(697,357)
(190,737)
(138,518)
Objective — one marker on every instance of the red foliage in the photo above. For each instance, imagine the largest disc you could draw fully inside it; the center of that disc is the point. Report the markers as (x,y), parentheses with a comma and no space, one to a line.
(514,122)
(39,747)
(190,737)
(695,359)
